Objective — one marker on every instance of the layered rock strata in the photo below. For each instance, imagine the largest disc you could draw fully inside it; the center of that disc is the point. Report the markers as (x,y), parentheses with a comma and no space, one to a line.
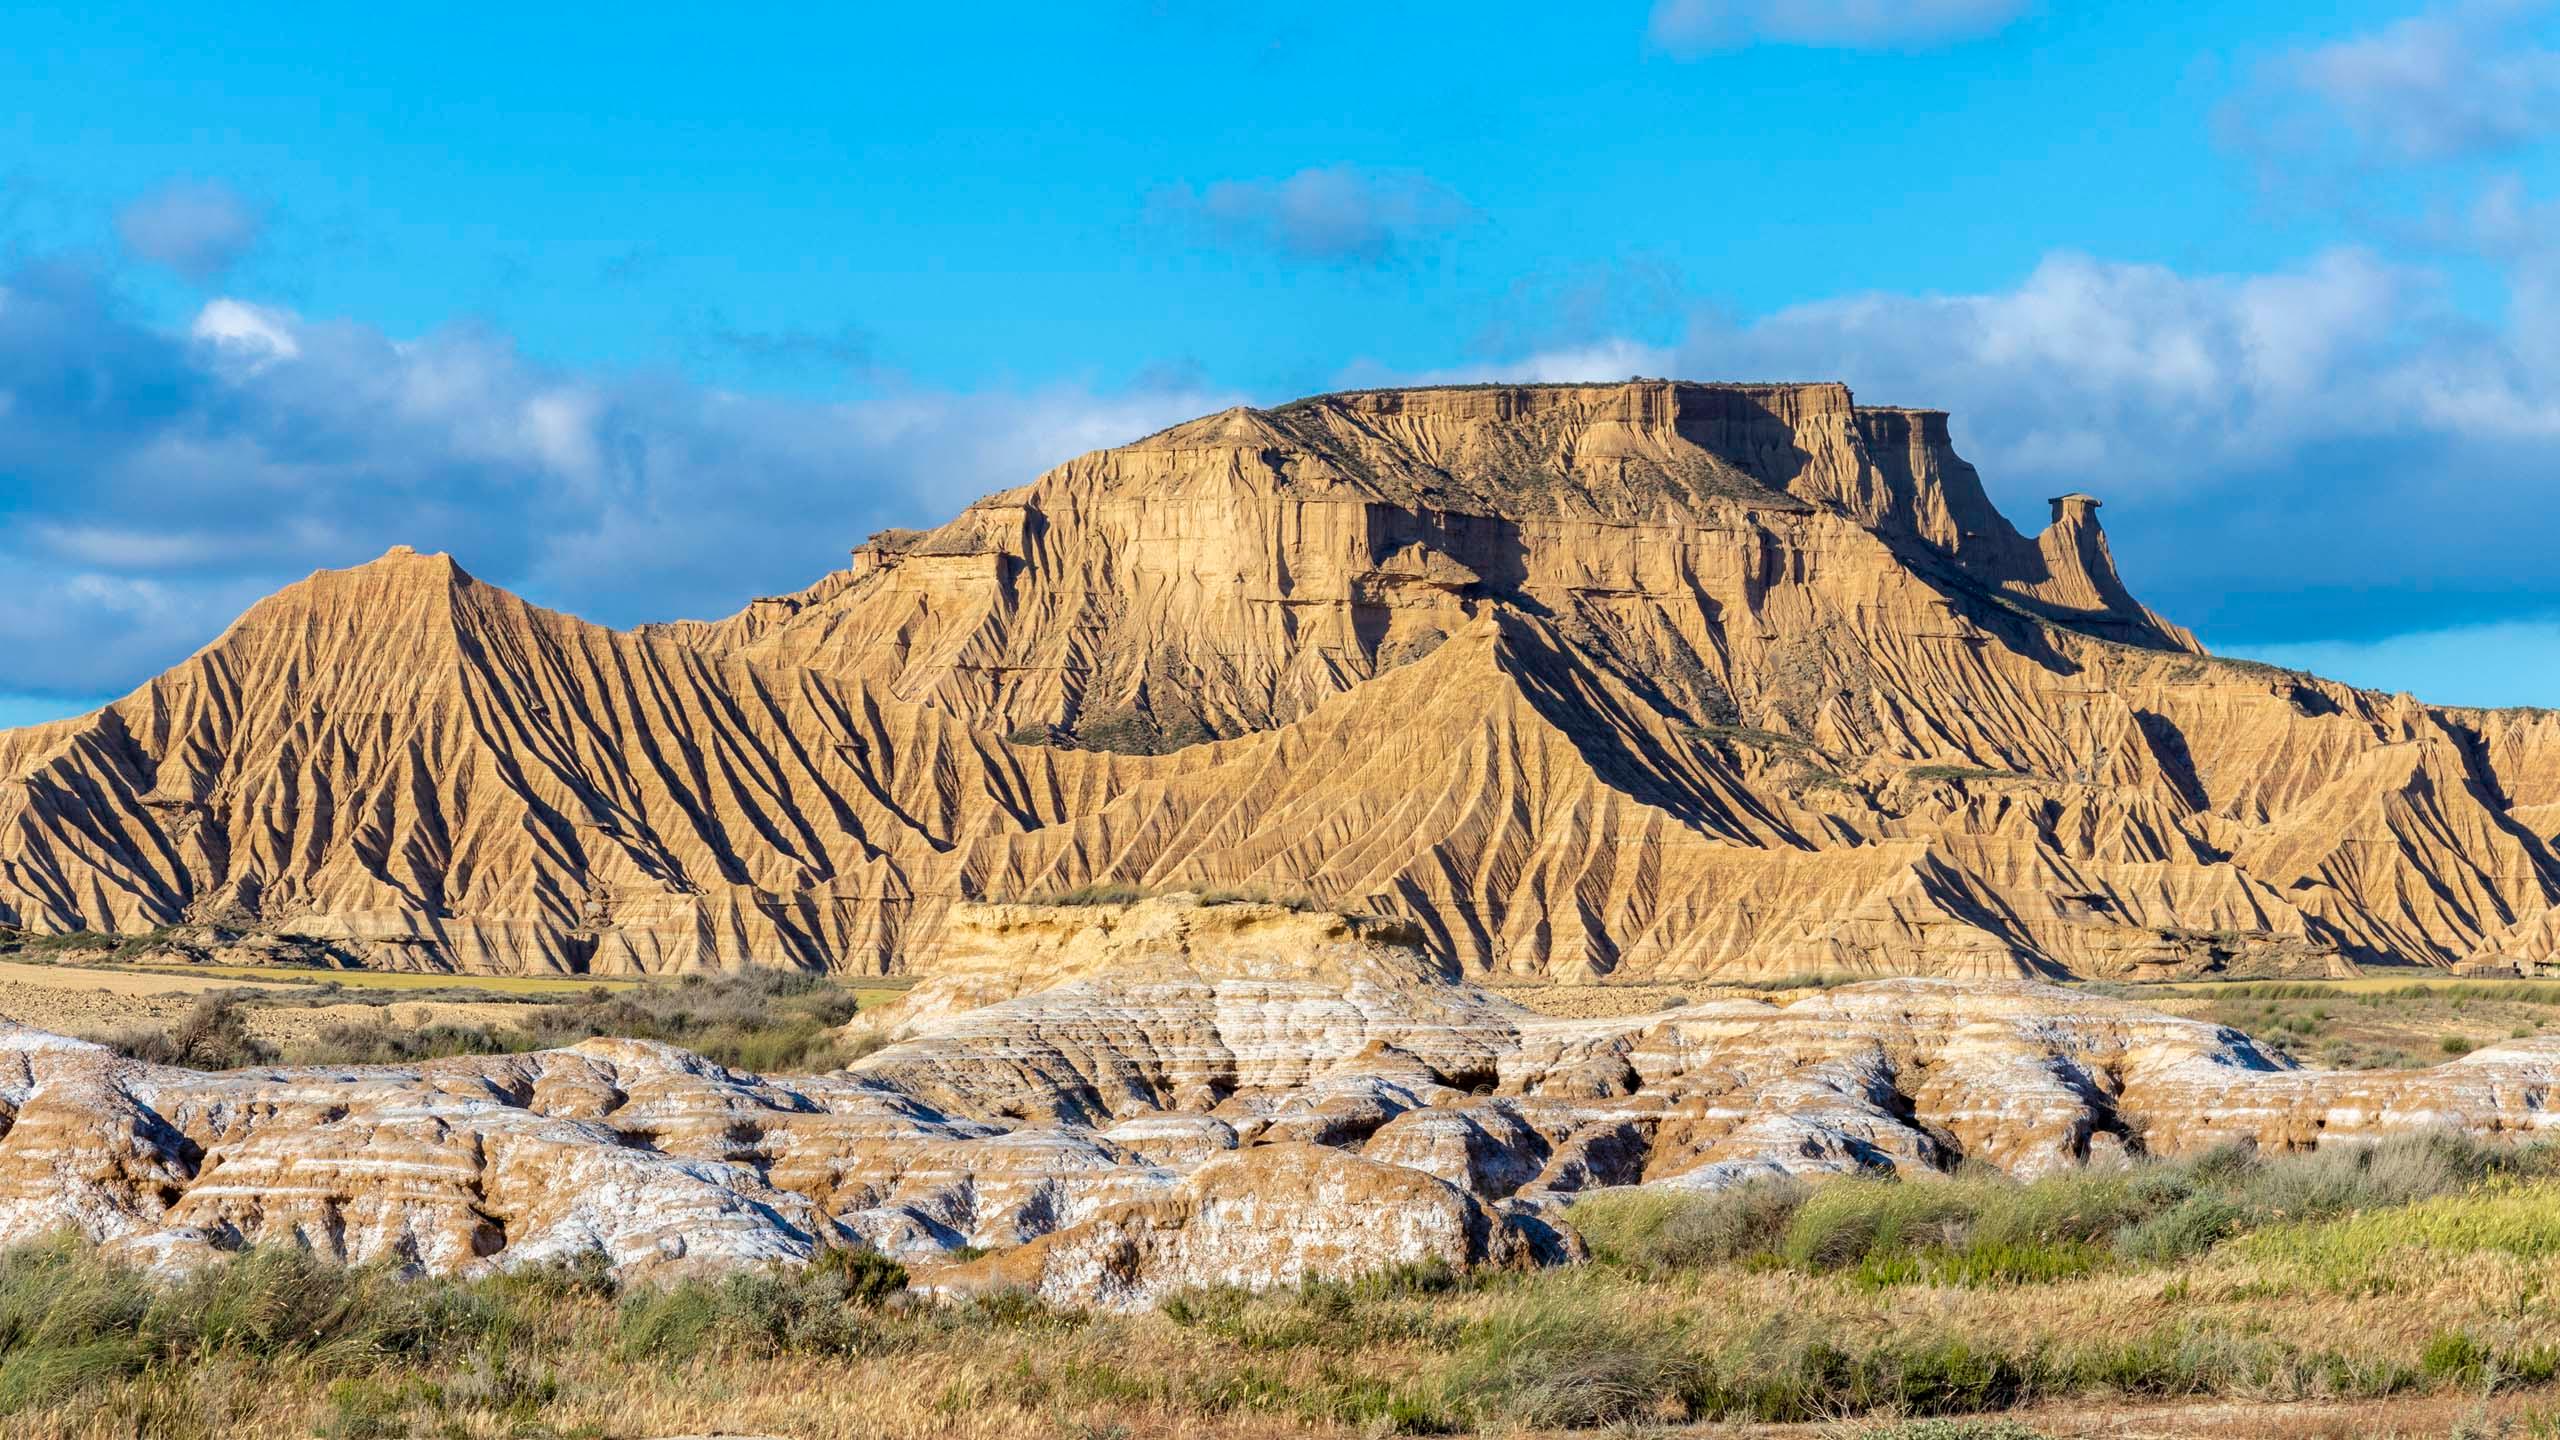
(1192,1095)
(1653,680)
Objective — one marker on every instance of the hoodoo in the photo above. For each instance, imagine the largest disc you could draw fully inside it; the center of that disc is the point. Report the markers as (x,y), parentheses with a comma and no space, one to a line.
(1645,679)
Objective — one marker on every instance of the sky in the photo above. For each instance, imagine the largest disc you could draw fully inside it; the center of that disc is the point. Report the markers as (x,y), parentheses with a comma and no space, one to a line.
(643,319)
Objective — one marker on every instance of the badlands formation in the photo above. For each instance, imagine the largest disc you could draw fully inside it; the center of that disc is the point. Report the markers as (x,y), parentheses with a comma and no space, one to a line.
(1123,1101)
(1647,682)
(1654,681)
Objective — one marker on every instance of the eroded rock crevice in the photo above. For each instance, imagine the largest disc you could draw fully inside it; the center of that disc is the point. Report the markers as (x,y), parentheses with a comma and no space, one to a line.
(1332,1144)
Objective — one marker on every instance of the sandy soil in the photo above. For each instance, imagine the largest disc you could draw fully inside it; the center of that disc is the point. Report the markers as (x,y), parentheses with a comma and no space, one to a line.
(1591,1002)
(77,1001)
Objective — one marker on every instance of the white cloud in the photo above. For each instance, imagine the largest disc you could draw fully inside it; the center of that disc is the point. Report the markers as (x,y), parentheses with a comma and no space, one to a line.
(1698,27)
(120,595)
(1340,213)
(254,333)
(2387,125)
(2132,373)
(199,228)
(160,482)
(2458,80)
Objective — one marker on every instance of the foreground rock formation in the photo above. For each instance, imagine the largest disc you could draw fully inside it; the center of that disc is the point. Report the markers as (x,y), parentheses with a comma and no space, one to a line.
(1642,680)
(1184,1095)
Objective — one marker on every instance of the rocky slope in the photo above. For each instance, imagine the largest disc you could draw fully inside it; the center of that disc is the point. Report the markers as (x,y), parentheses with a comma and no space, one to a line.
(1189,1095)
(1649,680)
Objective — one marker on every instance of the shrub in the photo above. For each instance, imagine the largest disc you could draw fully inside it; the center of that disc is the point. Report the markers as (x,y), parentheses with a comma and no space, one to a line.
(71,1319)
(1979,1262)
(1549,1365)
(760,1020)
(67,1321)
(818,1308)
(2453,1356)
(2189,1228)
(1840,1224)
(212,1035)
(1256,895)
(2344,1252)
(378,1041)
(2397,1170)
(1656,1231)
(1100,892)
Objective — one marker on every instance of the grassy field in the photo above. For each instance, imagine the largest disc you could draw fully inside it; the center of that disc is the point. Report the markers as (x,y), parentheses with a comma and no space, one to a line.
(2414,1278)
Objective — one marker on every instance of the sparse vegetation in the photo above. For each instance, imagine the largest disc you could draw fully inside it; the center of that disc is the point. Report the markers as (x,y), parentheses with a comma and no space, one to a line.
(1959,773)
(1297,900)
(2226,1274)
(29,946)
(212,1035)
(1099,892)
(760,1020)
(2376,1022)
(2391,1273)
(1984,1230)
(1129,730)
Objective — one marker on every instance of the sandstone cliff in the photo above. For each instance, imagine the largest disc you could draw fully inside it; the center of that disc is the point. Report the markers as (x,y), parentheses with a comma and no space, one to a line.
(1654,679)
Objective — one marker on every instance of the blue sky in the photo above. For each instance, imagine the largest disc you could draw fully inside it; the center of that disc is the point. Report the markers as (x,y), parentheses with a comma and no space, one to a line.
(647,317)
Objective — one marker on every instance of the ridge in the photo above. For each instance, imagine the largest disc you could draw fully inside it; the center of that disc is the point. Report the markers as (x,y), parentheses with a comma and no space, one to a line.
(1650,679)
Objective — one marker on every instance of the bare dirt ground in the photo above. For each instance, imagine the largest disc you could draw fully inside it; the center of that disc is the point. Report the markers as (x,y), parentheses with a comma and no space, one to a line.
(2375,1022)
(1592,1002)
(77,1000)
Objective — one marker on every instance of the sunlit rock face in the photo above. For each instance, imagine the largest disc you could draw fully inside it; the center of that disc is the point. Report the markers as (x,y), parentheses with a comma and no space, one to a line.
(1122,1101)
(1653,680)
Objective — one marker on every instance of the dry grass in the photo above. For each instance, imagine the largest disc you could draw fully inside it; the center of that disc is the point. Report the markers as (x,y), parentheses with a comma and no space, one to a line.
(396,980)
(2433,1301)
(767,1021)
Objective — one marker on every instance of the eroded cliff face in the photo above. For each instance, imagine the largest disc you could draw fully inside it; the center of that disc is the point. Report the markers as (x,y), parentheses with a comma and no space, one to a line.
(1188,1095)
(1228,574)
(1655,679)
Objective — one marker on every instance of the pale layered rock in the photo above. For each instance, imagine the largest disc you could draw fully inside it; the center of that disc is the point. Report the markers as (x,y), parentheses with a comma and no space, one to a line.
(1277,1017)
(1270,1216)
(1143,1123)
(1647,681)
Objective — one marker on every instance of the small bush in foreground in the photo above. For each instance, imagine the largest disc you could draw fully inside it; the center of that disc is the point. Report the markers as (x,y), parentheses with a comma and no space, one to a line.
(1562,1366)
(1656,1231)
(212,1035)
(820,1308)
